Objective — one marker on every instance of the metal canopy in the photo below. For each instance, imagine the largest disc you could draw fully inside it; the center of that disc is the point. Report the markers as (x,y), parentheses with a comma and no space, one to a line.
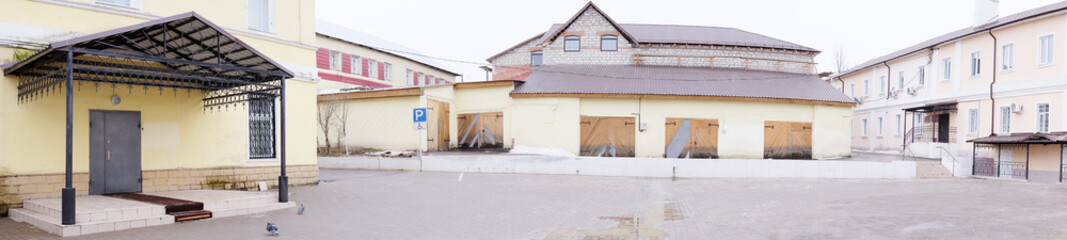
(184,51)
(934,107)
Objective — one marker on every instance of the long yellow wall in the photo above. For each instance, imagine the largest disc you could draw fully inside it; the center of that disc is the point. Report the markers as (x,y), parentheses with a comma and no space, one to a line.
(546,123)
(380,123)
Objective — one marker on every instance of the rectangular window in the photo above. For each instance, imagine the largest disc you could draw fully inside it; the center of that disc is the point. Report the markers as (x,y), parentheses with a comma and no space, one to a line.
(122,3)
(852,89)
(900,80)
(972,121)
(866,88)
(1007,61)
(863,127)
(535,58)
(899,122)
(335,60)
(388,68)
(919,123)
(881,84)
(410,78)
(1005,119)
(976,63)
(1046,54)
(260,16)
(372,69)
(880,126)
(1042,117)
(609,43)
(261,127)
(572,44)
(946,69)
(922,75)
(357,65)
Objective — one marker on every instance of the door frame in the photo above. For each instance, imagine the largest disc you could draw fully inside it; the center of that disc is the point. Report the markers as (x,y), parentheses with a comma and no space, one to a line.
(140,172)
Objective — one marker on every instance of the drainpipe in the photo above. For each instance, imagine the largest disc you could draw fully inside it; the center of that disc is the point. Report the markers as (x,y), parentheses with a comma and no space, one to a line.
(993,101)
(888,80)
(842,84)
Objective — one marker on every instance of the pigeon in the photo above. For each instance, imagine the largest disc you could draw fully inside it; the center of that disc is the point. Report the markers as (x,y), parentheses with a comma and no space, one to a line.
(272,229)
(317,182)
(300,210)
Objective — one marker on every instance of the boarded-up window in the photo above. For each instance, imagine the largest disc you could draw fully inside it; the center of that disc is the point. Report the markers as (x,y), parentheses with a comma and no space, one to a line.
(481,130)
(787,140)
(437,136)
(607,136)
(692,138)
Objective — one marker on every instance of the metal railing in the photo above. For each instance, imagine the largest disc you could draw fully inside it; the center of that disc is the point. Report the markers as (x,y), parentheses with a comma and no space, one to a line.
(929,134)
(954,161)
(992,168)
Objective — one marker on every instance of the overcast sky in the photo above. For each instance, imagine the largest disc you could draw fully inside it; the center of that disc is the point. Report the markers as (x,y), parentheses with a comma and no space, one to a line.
(473,30)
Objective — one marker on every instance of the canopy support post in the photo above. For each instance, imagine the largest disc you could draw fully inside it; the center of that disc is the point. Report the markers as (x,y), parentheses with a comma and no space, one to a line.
(283,180)
(68,191)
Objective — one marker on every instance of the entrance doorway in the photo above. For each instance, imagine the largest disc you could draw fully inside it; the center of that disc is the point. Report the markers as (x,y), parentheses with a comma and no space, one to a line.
(114,152)
(943,128)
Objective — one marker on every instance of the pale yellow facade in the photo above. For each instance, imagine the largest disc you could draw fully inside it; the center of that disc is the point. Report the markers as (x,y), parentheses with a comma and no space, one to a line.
(178,133)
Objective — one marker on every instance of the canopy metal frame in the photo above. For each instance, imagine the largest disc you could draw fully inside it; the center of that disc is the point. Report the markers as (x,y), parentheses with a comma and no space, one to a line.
(181,52)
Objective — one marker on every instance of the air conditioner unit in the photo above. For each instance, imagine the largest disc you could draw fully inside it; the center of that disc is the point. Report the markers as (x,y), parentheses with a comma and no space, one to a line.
(912,91)
(1016,107)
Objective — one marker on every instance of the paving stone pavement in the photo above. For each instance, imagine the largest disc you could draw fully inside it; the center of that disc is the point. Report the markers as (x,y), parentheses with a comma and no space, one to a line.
(411,205)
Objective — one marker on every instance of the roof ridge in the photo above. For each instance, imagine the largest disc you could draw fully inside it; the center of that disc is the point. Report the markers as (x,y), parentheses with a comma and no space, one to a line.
(678,25)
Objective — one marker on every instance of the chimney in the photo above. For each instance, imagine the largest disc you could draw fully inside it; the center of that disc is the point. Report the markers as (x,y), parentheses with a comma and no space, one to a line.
(985,11)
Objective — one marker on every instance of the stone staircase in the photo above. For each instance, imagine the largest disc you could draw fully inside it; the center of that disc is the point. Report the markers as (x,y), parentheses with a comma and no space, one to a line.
(931,170)
(230,203)
(92,214)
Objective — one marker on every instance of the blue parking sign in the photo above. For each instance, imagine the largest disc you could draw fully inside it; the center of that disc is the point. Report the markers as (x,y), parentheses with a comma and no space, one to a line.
(419,114)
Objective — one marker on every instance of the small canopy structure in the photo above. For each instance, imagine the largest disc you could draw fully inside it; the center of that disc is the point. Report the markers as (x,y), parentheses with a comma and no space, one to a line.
(181,52)
(1014,139)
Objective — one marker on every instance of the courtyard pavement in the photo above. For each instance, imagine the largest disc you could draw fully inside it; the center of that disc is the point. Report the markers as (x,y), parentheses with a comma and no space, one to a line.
(410,205)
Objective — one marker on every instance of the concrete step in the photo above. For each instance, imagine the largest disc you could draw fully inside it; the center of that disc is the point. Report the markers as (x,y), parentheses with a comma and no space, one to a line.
(53,225)
(89,209)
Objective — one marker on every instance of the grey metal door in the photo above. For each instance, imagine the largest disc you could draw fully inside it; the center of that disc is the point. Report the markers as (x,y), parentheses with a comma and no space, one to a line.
(114,152)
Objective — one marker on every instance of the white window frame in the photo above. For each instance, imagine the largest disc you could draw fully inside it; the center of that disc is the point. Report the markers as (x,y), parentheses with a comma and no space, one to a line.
(1007,57)
(1005,119)
(976,64)
(578,44)
(972,121)
(863,127)
(852,89)
(357,64)
(881,85)
(918,123)
(134,5)
(900,120)
(1037,117)
(881,126)
(946,69)
(270,17)
(866,88)
(372,68)
(1051,51)
(410,77)
(335,60)
(922,75)
(900,80)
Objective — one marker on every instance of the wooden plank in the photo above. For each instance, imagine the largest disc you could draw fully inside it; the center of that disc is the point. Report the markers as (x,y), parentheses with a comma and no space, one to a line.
(466,131)
(601,134)
(479,84)
(787,140)
(372,94)
(432,107)
(703,138)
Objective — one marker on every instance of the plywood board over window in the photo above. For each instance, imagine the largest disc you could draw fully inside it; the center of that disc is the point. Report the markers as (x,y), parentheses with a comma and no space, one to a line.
(481,130)
(787,140)
(607,136)
(692,138)
(437,136)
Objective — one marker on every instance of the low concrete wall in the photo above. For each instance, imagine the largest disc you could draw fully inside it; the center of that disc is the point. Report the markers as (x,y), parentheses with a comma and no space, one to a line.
(960,168)
(632,167)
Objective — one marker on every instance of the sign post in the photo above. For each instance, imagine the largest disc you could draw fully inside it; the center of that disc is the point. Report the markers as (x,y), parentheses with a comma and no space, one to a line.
(419,115)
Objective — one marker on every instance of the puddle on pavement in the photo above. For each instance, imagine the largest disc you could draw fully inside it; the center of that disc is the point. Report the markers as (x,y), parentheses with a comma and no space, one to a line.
(635,226)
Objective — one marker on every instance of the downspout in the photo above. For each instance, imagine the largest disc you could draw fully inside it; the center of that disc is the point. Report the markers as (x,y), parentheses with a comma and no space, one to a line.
(842,84)
(888,80)
(993,101)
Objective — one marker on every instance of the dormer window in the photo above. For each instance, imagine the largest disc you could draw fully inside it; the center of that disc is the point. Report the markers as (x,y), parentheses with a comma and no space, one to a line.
(535,58)
(571,43)
(609,43)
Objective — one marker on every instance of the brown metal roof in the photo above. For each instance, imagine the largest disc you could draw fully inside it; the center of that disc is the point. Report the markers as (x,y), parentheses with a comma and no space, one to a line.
(967,31)
(678,81)
(1024,138)
(704,35)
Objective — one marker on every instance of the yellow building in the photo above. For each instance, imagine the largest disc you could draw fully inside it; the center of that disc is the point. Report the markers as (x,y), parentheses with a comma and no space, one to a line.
(106,96)
(999,82)
(349,58)
(593,87)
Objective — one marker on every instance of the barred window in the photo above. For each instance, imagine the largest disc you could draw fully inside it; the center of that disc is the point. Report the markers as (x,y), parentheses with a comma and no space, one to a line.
(261,127)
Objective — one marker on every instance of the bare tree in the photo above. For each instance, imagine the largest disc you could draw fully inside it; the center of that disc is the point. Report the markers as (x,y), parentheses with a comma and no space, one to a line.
(342,122)
(840,60)
(327,116)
